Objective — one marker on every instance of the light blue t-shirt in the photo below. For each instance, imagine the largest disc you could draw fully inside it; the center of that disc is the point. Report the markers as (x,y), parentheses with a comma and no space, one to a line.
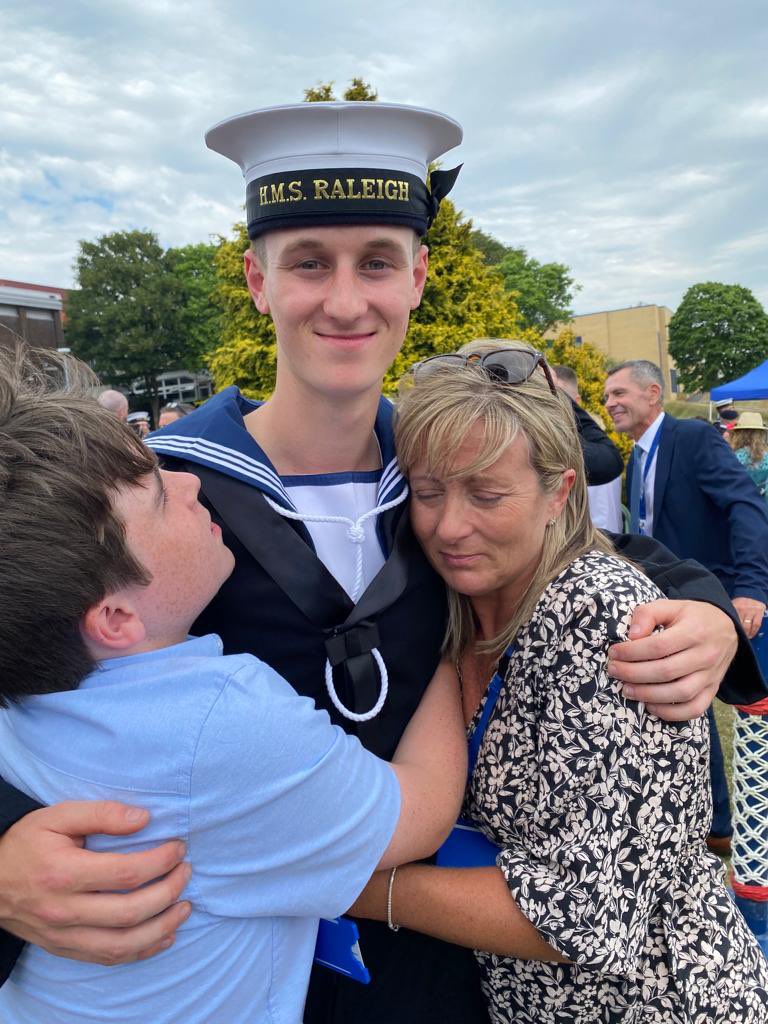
(284,814)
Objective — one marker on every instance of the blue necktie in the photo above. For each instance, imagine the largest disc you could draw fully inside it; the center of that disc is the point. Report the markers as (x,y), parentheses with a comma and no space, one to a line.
(637,484)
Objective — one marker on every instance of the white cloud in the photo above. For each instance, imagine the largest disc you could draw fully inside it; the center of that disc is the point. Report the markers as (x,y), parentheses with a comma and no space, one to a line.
(626,141)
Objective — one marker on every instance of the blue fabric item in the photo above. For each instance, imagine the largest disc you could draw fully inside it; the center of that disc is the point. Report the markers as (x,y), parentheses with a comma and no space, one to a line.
(752,385)
(285,816)
(707,508)
(634,491)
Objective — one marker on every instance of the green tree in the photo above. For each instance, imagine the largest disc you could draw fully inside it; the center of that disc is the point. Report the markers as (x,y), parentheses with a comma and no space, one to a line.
(245,355)
(195,268)
(590,366)
(544,291)
(126,316)
(492,249)
(320,93)
(718,332)
(463,297)
(356,90)
(360,90)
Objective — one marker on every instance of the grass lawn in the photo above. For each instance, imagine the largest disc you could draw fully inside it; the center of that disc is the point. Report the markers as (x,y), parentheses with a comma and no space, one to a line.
(724,715)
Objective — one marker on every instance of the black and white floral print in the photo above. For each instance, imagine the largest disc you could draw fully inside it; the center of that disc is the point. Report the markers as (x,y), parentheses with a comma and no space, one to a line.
(601,811)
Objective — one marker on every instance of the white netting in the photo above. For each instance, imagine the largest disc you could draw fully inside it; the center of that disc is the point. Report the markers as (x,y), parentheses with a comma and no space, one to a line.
(750,799)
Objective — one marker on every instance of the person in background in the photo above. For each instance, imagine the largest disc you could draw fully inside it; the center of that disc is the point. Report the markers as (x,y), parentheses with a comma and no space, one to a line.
(139,423)
(115,402)
(604,499)
(687,490)
(749,440)
(726,416)
(173,411)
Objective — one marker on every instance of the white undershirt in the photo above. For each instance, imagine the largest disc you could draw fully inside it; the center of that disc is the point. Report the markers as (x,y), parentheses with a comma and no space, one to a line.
(349,499)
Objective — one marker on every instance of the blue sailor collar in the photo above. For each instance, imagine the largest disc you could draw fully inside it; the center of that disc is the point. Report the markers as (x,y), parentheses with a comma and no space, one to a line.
(215,436)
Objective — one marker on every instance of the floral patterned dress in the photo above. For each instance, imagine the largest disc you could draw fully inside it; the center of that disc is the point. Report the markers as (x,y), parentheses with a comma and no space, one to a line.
(601,811)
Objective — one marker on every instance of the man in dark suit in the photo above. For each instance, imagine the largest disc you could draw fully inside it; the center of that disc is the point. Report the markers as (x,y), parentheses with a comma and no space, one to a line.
(686,488)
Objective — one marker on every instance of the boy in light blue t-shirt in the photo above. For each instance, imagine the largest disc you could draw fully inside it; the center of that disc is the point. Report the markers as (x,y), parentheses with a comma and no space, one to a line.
(284,815)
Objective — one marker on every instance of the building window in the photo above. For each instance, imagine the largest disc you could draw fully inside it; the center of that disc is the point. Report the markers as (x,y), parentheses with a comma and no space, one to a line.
(577,341)
(673,381)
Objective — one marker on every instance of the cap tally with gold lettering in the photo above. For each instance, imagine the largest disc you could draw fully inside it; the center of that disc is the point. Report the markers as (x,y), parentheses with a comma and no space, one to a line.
(339,163)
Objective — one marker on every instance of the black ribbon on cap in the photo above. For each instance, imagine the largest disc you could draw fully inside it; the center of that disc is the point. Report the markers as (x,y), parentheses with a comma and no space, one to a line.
(345,195)
(440,184)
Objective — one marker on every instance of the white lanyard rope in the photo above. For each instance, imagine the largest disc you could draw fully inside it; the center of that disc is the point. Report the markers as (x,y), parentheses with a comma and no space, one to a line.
(356,534)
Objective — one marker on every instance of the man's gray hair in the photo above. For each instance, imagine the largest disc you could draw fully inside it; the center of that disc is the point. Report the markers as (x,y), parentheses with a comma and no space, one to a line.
(115,402)
(642,371)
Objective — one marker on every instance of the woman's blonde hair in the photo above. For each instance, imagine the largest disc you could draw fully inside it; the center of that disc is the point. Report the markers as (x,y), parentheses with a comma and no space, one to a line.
(433,418)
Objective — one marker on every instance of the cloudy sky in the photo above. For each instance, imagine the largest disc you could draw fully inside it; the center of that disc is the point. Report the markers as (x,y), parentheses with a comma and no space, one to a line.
(625,139)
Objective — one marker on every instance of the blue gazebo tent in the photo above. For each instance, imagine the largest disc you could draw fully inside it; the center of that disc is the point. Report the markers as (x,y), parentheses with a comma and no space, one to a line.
(751,386)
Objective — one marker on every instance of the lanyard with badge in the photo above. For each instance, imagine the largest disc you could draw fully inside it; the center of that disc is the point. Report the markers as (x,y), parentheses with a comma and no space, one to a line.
(642,511)
(466,846)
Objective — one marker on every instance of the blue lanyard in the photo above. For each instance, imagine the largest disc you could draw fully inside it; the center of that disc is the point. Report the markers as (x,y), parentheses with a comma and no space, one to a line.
(646,470)
(491,697)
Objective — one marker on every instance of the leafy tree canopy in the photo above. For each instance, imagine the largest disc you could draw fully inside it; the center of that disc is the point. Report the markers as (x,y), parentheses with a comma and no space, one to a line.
(543,291)
(463,298)
(356,90)
(245,355)
(126,316)
(195,268)
(492,249)
(719,332)
(590,366)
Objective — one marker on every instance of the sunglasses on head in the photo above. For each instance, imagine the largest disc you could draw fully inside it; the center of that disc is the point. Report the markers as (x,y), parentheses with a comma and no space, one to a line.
(505,365)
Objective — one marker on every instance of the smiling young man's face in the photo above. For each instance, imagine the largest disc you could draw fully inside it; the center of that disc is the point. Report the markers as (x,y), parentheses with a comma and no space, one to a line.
(340,299)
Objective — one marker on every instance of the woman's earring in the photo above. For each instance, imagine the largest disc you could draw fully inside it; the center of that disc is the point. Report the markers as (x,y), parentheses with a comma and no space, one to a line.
(551,522)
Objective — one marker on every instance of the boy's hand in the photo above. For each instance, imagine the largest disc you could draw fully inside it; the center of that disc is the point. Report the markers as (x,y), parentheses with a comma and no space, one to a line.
(676,672)
(60,896)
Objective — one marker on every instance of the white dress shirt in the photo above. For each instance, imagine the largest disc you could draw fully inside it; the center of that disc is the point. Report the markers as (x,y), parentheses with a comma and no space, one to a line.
(642,447)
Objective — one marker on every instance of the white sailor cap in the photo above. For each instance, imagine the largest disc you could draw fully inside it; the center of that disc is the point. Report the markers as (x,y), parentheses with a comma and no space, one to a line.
(723,402)
(138,417)
(339,163)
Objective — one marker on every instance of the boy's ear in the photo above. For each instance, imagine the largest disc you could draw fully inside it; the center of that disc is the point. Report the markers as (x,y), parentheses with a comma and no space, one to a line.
(113,624)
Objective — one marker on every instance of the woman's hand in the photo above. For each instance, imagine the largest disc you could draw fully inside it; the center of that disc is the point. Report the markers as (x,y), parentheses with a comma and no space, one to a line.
(677,671)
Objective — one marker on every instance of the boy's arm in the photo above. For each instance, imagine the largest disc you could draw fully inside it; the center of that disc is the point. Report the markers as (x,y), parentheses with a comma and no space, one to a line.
(62,897)
(431,766)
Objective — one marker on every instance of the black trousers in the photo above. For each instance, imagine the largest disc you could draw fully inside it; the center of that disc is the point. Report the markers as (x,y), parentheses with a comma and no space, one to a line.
(414,980)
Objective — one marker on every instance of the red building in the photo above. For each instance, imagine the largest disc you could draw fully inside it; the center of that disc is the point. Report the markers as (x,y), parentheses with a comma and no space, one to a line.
(34,312)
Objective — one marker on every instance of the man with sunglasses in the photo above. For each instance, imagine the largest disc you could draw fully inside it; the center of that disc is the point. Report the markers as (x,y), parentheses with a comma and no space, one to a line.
(329,585)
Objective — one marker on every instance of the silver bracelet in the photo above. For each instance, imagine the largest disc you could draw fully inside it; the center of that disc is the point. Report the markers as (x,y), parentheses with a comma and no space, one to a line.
(392,926)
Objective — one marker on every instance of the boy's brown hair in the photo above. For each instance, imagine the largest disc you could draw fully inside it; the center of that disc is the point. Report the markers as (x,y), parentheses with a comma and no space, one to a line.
(62,547)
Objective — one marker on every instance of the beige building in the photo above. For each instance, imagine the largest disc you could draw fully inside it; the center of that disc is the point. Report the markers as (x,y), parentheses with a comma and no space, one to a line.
(639,332)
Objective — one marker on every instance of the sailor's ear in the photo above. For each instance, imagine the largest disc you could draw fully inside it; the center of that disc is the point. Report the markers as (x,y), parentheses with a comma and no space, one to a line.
(420,268)
(255,277)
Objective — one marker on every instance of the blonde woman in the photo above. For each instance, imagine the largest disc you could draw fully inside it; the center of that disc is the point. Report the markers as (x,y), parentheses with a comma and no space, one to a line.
(595,897)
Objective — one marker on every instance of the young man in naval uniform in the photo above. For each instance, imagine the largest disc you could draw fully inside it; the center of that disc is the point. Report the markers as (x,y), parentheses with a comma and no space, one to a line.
(329,585)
